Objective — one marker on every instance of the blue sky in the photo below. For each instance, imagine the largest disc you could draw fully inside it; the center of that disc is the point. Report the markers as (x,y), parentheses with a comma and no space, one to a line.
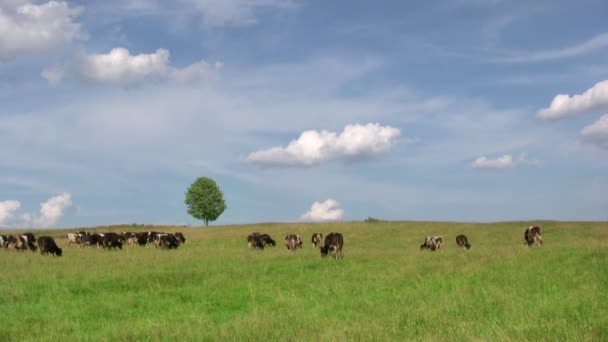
(465,110)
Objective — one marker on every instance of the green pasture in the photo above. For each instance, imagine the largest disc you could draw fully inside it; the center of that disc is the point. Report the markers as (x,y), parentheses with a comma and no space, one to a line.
(385,288)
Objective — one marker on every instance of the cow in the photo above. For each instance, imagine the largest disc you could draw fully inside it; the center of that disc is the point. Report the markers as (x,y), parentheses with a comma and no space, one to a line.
(3,241)
(532,236)
(292,241)
(109,241)
(300,242)
(334,242)
(142,238)
(12,242)
(180,237)
(462,241)
(267,240)
(255,241)
(129,238)
(168,241)
(26,241)
(316,239)
(73,238)
(90,240)
(432,242)
(47,245)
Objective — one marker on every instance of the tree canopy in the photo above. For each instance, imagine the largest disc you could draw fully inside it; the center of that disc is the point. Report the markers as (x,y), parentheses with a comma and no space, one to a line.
(205,200)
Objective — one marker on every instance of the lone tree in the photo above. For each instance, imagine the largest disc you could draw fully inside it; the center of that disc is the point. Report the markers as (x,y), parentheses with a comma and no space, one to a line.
(205,200)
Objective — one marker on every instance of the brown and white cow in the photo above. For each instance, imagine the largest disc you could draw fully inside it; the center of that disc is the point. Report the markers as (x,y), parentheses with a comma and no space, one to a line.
(462,241)
(316,240)
(532,236)
(432,242)
(334,242)
(292,241)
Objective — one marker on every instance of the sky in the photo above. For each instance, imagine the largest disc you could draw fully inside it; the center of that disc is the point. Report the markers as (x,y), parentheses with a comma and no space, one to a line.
(463,110)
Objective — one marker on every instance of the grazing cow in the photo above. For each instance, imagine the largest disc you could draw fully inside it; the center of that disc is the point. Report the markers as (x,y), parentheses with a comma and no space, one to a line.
(90,240)
(432,242)
(532,236)
(26,241)
(463,242)
(267,240)
(152,236)
(316,239)
(255,241)
(109,241)
(168,241)
(47,245)
(129,238)
(292,241)
(333,244)
(180,237)
(3,241)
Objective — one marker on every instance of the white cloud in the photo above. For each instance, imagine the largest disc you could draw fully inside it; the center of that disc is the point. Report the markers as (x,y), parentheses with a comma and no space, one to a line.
(50,212)
(564,105)
(29,29)
(7,210)
(600,41)
(313,147)
(504,162)
(326,211)
(597,133)
(120,67)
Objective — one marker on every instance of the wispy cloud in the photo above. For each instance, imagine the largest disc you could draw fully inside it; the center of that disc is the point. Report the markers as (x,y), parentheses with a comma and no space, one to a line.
(598,42)
(504,162)
(314,147)
(324,211)
(30,29)
(120,67)
(564,105)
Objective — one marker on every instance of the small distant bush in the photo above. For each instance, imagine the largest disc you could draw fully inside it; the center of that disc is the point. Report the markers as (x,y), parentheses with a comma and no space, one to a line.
(370,219)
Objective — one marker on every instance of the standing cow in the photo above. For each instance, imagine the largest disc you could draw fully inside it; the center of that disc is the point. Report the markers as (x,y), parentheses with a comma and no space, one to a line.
(316,239)
(334,242)
(532,236)
(292,241)
(462,241)
(3,241)
(47,245)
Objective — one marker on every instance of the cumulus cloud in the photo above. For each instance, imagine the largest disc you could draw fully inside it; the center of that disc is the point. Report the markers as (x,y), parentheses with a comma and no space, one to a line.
(564,105)
(7,210)
(597,133)
(120,67)
(313,147)
(51,212)
(326,211)
(28,28)
(504,162)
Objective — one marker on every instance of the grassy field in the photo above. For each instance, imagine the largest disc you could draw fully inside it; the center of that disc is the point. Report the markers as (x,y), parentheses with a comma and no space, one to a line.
(385,288)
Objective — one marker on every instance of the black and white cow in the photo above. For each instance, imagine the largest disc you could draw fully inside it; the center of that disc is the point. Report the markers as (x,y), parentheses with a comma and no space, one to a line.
(180,237)
(462,241)
(433,243)
(47,245)
(334,242)
(90,240)
(3,241)
(26,241)
(317,239)
(255,241)
(111,241)
(168,241)
(532,236)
